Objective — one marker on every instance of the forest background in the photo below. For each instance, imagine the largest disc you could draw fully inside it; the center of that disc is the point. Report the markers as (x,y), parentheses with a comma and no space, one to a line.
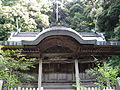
(80,15)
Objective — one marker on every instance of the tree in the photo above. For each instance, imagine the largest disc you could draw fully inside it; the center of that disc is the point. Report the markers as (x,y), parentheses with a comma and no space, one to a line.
(105,75)
(109,18)
(31,16)
(117,31)
(76,18)
(114,62)
(11,62)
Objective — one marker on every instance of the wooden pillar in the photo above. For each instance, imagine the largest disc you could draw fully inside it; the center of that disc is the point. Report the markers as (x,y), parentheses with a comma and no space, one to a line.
(1,83)
(118,83)
(77,74)
(40,74)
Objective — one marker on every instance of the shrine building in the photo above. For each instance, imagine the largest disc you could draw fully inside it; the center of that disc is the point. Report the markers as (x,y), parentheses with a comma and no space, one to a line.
(63,55)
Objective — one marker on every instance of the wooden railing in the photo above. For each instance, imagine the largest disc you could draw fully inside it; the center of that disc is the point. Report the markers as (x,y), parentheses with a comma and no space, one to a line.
(85,76)
(88,88)
(22,88)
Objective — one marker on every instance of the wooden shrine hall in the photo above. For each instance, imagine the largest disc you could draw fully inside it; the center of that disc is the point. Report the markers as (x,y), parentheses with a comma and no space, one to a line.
(63,54)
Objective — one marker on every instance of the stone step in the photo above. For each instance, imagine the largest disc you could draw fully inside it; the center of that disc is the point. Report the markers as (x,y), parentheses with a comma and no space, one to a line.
(64,86)
(58,86)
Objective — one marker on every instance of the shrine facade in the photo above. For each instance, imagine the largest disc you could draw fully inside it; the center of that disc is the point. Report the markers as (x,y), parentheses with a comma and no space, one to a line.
(63,53)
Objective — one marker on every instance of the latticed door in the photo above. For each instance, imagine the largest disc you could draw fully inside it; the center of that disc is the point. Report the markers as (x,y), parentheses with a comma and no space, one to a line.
(57,72)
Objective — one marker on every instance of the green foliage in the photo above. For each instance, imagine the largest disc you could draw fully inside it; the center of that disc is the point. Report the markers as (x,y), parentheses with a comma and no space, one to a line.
(11,62)
(114,62)
(108,20)
(75,21)
(24,77)
(81,15)
(117,32)
(76,8)
(105,16)
(105,75)
(3,33)
(9,78)
(32,16)
(76,16)
(80,86)
(9,2)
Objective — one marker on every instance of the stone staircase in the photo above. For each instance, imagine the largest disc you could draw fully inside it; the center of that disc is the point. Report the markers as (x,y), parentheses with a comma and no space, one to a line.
(63,86)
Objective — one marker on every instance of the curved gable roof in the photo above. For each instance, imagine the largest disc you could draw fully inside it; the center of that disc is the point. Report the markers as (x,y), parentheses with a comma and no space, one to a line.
(33,38)
(58,30)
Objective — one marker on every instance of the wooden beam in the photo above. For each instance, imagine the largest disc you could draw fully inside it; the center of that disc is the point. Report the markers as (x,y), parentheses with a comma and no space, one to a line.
(57,54)
(68,61)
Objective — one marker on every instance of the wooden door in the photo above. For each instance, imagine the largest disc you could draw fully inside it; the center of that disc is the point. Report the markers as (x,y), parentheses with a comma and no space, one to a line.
(57,72)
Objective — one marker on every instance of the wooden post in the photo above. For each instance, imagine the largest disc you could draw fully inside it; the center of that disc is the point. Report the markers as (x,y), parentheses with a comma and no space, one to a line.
(19,88)
(57,12)
(77,74)
(40,75)
(118,83)
(1,83)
